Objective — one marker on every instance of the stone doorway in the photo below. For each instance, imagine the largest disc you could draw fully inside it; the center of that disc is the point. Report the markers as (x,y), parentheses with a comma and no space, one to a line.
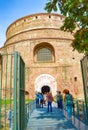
(44,81)
(45,89)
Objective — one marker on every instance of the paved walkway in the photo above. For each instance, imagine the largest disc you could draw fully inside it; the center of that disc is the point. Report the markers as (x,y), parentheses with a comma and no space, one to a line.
(41,120)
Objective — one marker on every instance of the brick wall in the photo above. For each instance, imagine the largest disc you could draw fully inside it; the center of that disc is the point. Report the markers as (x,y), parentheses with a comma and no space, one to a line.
(27,33)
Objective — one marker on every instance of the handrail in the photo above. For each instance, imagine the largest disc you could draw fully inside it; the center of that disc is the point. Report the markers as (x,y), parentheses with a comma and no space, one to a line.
(79,110)
(29,109)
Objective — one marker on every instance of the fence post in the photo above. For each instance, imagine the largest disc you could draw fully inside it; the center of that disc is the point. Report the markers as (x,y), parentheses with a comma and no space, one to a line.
(10,116)
(78,109)
(84,113)
(84,69)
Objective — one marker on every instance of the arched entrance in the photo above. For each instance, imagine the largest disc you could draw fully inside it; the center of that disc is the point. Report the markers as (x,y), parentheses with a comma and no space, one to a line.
(46,82)
(45,89)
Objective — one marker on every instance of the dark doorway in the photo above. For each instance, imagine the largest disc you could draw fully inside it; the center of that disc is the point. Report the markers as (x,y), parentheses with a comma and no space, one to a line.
(45,89)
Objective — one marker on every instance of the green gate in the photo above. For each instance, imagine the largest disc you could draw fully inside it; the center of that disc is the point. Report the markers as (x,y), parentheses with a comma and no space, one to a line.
(84,67)
(12,92)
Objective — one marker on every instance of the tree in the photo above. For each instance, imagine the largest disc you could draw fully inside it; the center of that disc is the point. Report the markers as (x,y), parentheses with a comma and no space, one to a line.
(76,12)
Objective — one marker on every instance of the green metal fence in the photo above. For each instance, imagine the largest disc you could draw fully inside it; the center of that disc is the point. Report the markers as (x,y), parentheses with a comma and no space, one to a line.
(79,110)
(12,92)
(84,67)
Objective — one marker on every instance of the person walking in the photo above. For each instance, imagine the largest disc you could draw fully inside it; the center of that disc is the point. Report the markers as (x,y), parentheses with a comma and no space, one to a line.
(37,100)
(68,103)
(45,98)
(49,101)
(41,98)
(59,100)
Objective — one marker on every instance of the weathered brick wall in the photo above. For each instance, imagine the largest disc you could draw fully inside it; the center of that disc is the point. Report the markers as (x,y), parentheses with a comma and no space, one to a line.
(26,33)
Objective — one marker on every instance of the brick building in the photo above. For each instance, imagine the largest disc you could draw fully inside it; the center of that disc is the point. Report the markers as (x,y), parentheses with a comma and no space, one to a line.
(51,64)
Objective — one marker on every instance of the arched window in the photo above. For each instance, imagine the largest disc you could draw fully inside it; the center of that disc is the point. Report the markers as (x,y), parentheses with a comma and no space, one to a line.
(44,54)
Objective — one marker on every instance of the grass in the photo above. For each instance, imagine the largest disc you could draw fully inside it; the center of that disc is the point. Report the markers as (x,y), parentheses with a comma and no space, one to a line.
(29,100)
(8,101)
(5,102)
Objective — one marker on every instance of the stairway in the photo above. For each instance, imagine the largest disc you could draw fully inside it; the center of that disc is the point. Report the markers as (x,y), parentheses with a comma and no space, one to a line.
(40,119)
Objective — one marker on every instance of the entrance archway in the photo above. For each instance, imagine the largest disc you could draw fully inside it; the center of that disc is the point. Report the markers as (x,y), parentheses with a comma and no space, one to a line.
(45,89)
(46,80)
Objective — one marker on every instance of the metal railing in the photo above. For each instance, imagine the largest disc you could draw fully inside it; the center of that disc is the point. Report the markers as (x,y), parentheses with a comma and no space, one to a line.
(12,92)
(29,109)
(79,110)
(84,69)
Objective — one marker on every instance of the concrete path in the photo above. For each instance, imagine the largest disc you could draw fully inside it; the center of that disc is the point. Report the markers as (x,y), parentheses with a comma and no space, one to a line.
(41,120)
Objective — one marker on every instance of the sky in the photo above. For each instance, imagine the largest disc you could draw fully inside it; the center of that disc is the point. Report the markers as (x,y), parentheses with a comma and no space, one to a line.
(11,10)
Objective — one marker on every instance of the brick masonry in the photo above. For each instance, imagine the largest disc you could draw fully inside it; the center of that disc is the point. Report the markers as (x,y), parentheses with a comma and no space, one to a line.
(30,32)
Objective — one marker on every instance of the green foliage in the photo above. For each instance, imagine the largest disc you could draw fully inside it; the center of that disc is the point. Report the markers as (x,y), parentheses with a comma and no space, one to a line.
(81,40)
(69,25)
(76,12)
(51,6)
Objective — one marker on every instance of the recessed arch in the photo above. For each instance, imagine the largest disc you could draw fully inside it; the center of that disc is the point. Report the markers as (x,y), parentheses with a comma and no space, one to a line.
(44,52)
(45,80)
